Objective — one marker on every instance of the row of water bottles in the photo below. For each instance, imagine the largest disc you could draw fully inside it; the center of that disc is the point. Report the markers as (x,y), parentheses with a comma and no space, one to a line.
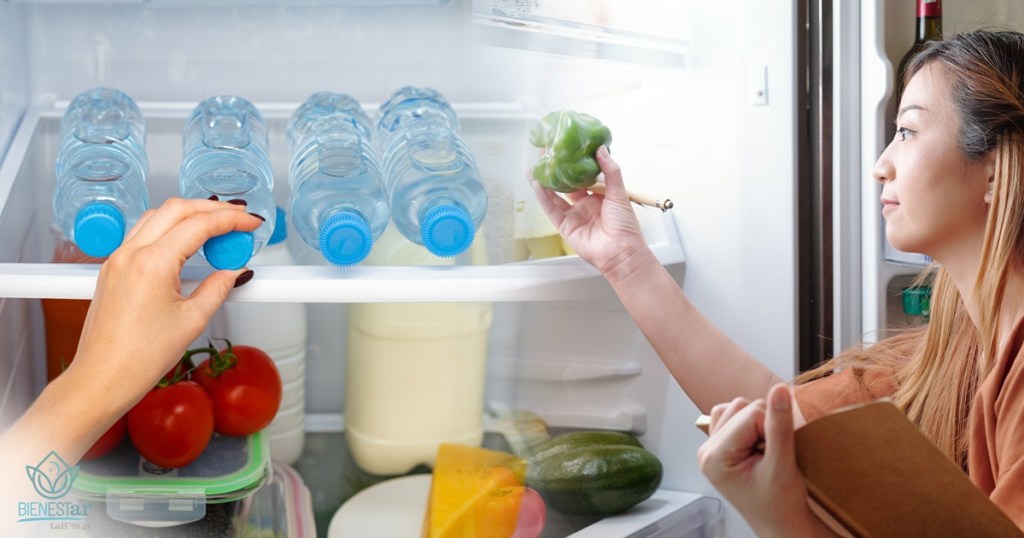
(348,177)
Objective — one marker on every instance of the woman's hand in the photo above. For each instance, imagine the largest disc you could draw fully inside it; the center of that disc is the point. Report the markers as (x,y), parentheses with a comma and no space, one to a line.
(602,229)
(137,328)
(139,323)
(750,458)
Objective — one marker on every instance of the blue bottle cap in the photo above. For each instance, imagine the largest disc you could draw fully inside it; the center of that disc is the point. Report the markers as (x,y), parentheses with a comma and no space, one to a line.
(345,238)
(447,230)
(229,251)
(280,229)
(99,229)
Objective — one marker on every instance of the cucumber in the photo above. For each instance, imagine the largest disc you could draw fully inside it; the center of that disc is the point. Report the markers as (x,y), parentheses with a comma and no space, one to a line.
(571,441)
(596,480)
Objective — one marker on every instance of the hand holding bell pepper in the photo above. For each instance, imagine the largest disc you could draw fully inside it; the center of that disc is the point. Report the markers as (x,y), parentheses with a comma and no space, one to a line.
(570,139)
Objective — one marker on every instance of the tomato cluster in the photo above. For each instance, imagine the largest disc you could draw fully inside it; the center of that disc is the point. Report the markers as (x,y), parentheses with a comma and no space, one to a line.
(236,391)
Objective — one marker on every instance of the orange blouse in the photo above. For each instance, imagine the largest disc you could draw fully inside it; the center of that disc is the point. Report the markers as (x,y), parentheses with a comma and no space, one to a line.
(995,454)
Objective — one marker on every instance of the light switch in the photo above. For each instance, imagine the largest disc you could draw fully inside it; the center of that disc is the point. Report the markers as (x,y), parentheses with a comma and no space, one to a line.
(759,85)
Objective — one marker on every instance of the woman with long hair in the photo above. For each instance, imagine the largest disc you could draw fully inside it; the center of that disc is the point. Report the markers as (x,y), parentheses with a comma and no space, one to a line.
(952,188)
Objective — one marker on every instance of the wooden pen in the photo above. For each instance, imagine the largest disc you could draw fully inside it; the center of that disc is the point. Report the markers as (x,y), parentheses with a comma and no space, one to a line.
(663,205)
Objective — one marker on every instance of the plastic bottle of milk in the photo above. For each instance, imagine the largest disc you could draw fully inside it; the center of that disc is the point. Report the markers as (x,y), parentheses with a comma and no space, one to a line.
(279,329)
(415,372)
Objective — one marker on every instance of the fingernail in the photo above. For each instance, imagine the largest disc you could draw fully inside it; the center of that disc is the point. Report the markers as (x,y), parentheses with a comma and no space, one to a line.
(244,278)
(602,152)
(781,400)
(257,215)
(213,197)
(238,201)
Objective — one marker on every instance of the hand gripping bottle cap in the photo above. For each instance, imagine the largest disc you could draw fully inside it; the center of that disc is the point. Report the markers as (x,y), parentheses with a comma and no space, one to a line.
(447,230)
(229,251)
(345,238)
(99,229)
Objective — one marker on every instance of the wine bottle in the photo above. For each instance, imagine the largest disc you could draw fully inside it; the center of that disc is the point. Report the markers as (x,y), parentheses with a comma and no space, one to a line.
(929,28)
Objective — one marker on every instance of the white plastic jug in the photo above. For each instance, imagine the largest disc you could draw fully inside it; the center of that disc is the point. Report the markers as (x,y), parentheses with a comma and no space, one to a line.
(415,372)
(415,380)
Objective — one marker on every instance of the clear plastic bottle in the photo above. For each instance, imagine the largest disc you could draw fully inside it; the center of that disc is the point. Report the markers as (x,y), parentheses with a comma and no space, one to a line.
(101,170)
(225,155)
(337,198)
(432,180)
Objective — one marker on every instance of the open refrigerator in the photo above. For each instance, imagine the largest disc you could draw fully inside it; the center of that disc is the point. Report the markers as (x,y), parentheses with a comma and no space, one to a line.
(701,98)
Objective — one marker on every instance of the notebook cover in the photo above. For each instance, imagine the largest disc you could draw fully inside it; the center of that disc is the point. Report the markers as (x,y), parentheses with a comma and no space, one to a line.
(874,471)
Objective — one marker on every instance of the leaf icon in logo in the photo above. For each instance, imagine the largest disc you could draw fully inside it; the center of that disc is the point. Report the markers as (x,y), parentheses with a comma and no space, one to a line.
(52,478)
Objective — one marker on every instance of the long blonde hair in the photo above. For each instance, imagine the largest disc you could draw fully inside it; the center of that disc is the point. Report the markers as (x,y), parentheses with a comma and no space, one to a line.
(938,367)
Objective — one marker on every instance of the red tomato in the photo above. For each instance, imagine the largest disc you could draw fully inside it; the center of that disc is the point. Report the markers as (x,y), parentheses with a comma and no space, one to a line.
(108,441)
(172,425)
(245,387)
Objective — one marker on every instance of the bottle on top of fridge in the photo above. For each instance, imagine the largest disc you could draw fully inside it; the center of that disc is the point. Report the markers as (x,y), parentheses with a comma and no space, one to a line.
(337,198)
(437,197)
(101,170)
(224,157)
(280,330)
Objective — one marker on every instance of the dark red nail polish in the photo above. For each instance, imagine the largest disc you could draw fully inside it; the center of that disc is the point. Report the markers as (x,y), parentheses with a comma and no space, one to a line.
(238,201)
(244,278)
(213,197)
(258,216)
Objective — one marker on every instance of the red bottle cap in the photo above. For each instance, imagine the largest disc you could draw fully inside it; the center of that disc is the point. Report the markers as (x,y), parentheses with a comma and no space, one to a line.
(929,8)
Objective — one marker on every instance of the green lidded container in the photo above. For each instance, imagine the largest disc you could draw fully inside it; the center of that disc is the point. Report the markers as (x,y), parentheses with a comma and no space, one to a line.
(229,469)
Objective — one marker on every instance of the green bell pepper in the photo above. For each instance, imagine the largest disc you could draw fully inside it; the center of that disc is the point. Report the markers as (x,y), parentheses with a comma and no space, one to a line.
(570,139)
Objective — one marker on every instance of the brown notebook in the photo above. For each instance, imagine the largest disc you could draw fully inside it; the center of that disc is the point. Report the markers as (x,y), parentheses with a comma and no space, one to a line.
(877,475)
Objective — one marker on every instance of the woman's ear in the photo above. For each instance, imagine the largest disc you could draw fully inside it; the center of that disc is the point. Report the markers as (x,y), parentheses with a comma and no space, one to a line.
(990,169)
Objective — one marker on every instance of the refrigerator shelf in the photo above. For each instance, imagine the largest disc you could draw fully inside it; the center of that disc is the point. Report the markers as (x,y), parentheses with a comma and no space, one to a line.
(497,133)
(328,469)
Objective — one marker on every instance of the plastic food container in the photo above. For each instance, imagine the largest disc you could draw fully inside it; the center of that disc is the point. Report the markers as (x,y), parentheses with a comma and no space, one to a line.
(283,508)
(229,469)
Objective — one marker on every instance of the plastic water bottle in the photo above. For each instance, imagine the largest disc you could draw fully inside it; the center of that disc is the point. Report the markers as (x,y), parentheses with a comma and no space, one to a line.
(337,198)
(280,330)
(432,180)
(225,156)
(101,170)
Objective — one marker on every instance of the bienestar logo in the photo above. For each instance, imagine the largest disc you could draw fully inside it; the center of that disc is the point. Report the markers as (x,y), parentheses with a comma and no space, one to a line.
(52,479)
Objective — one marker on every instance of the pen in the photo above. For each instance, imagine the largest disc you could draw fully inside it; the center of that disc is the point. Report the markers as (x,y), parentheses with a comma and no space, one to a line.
(663,205)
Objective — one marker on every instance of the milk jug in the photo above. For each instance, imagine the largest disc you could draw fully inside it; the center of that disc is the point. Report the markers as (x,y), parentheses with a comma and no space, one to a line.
(415,373)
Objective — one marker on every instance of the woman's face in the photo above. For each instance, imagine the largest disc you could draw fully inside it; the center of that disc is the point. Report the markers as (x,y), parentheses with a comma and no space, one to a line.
(933,197)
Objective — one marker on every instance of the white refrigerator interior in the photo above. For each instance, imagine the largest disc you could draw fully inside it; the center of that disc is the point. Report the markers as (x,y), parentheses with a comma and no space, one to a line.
(701,103)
